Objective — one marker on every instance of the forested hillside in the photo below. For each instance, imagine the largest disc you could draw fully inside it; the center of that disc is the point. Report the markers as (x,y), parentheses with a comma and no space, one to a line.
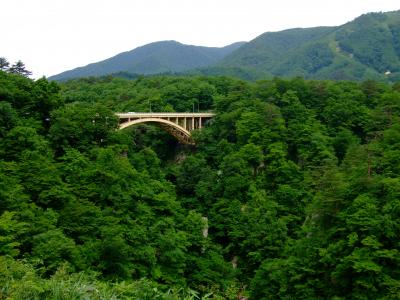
(366,48)
(154,58)
(291,192)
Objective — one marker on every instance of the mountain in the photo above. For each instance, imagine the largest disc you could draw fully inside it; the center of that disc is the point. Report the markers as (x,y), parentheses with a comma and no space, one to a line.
(366,48)
(154,58)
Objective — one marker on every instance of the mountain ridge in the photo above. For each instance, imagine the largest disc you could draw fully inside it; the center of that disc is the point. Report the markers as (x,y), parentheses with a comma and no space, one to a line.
(153,58)
(367,47)
(364,48)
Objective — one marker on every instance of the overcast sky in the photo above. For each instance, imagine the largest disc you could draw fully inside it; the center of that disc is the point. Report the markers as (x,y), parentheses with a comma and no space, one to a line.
(51,36)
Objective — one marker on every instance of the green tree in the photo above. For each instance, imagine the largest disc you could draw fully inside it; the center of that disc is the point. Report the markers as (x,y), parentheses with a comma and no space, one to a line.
(8,118)
(54,248)
(81,126)
(20,140)
(4,64)
(19,68)
(10,231)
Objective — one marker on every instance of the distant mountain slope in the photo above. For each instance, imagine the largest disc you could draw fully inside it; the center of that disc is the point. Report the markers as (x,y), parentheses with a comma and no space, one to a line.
(158,57)
(366,48)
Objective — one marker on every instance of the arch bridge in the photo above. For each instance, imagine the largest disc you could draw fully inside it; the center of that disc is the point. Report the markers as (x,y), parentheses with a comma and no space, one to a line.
(180,125)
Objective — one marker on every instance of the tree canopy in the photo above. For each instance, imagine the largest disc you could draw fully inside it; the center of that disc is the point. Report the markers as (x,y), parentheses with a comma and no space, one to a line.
(291,191)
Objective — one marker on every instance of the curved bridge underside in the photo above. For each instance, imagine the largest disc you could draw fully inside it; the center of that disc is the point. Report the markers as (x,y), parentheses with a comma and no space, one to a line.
(179,125)
(180,133)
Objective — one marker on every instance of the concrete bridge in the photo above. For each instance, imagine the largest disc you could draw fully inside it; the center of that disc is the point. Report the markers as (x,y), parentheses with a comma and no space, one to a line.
(180,125)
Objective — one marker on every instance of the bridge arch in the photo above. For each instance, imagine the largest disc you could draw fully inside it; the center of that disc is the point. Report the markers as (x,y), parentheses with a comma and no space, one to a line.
(179,125)
(174,129)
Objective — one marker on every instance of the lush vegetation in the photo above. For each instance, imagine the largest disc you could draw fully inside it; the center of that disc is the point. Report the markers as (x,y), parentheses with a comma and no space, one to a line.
(291,192)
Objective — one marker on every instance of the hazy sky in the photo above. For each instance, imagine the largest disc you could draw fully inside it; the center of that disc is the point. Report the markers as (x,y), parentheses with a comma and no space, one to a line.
(51,36)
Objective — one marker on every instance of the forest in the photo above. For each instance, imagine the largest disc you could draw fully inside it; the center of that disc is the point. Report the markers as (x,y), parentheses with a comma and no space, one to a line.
(292,191)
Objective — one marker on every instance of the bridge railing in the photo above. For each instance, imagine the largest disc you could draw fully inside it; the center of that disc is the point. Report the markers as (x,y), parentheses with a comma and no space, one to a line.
(163,114)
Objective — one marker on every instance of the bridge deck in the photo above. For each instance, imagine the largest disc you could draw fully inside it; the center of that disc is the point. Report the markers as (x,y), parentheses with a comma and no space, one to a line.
(127,115)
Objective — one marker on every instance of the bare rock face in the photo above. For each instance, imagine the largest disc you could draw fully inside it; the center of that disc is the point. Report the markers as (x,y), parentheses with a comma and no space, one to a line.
(205,228)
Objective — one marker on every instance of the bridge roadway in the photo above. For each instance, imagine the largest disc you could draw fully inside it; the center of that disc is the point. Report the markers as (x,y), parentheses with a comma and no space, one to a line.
(180,125)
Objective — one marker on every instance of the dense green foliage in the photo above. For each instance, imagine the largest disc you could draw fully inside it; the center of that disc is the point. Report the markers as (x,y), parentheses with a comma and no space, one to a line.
(154,58)
(291,192)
